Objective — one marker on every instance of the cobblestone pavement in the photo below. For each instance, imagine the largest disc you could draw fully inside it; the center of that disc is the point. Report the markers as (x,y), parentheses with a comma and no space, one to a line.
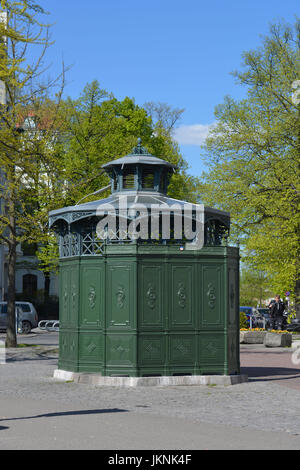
(269,402)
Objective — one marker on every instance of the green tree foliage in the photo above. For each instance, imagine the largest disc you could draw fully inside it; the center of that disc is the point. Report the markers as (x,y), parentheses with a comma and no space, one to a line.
(99,128)
(254,287)
(24,154)
(253,155)
(183,185)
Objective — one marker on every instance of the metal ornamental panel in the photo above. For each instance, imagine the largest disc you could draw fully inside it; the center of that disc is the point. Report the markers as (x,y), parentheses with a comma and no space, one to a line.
(150,306)
(120,293)
(91,351)
(182,350)
(212,296)
(92,296)
(121,350)
(182,310)
(152,350)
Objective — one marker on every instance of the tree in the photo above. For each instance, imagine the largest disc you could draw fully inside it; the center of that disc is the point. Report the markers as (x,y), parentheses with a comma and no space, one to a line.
(253,156)
(23,153)
(164,118)
(254,287)
(99,128)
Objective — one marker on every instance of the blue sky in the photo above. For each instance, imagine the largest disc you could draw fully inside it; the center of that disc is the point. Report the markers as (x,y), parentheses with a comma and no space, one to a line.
(171,51)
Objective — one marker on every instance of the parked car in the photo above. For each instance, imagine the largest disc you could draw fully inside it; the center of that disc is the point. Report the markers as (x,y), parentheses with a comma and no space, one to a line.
(266,314)
(294,325)
(29,317)
(264,311)
(250,312)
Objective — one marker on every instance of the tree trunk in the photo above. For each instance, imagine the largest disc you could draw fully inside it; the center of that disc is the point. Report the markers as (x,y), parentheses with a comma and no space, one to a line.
(47,285)
(11,337)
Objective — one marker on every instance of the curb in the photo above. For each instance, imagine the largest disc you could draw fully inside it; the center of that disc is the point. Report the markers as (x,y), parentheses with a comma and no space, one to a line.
(164,381)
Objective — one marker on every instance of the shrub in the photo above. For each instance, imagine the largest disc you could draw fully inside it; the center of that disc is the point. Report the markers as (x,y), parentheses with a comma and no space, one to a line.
(243,320)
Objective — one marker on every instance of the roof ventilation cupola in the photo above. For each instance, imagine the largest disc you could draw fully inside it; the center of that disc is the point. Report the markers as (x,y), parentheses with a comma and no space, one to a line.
(139,171)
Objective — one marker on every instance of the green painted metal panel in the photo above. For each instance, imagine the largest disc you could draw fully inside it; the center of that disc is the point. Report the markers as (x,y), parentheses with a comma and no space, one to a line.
(69,294)
(91,351)
(182,308)
(68,350)
(121,295)
(92,296)
(150,300)
(150,311)
(211,348)
(65,289)
(121,350)
(152,350)
(212,295)
(182,349)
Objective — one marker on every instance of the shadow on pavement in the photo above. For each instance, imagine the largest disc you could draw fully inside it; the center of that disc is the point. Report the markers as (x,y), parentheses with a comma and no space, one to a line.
(68,413)
(258,373)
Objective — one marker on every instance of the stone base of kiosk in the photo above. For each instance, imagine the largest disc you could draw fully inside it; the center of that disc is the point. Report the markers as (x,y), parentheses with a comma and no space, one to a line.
(96,379)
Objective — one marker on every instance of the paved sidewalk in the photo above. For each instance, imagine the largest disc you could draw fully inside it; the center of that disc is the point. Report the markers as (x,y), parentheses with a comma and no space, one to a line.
(271,365)
(37,412)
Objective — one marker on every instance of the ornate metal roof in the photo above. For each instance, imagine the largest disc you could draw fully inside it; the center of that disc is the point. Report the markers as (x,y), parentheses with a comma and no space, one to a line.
(77,216)
(138,155)
(73,214)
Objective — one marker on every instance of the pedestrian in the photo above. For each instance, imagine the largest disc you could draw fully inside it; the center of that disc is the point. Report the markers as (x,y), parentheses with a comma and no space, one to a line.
(277,309)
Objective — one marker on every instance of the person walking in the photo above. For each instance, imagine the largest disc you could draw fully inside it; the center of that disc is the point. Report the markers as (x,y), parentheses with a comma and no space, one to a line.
(277,309)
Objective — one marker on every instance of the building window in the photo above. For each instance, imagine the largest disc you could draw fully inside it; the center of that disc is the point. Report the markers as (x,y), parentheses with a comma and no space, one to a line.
(28,249)
(29,284)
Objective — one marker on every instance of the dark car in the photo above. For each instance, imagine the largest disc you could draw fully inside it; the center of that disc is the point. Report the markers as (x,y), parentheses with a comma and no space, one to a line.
(294,325)
(265,312)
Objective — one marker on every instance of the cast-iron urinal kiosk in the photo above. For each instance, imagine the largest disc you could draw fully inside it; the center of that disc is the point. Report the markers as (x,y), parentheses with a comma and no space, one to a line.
(137,308)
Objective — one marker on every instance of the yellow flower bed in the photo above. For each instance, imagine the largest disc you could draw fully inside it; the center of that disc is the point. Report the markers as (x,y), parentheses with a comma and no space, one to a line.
(262,329)
(253,329)
(278,331)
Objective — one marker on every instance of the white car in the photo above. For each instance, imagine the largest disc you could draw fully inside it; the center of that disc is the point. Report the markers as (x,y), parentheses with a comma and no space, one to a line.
(29,317)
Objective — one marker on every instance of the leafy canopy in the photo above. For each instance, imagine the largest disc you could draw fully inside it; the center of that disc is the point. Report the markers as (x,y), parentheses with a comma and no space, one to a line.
(253,156)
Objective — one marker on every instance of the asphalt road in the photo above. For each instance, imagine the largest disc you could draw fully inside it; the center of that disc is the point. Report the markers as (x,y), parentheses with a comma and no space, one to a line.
(37,412)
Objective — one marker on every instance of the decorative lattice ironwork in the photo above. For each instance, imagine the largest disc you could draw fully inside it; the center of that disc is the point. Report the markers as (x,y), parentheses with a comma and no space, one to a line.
(91,244)
(69,244)
(86,242)
(80,244)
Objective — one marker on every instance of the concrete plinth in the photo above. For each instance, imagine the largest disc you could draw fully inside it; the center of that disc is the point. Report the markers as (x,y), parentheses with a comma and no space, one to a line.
(252,337)
(96,379)
(277,340)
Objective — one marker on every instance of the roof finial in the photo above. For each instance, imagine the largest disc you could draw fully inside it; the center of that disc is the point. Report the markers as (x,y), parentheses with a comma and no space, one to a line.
(139,149)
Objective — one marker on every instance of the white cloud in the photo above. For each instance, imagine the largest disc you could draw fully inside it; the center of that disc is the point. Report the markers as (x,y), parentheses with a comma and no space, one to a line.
(194,134)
